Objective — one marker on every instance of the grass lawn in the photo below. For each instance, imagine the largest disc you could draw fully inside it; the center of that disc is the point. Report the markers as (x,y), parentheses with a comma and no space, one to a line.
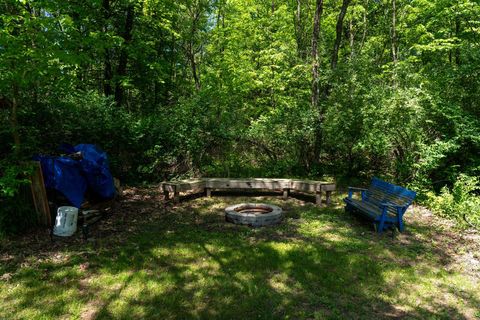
(186,262)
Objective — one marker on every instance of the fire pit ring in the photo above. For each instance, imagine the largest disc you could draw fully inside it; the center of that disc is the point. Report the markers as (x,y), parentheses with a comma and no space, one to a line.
(253,214)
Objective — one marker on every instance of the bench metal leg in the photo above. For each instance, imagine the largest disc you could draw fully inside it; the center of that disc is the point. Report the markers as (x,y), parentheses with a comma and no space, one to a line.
(166,195)
(380,227)
(285,193)
(318,198)
(381,222)
(349,208)
(208,191)
(400,224)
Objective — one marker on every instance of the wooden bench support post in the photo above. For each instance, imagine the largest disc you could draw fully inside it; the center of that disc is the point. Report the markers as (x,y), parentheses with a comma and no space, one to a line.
(329,195)
(208,191)
(318,198)
(176,197)
(166,194)
(285,193)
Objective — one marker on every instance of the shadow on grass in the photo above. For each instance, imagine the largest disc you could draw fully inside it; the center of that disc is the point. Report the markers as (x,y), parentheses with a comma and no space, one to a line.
(226,277)
(189,263)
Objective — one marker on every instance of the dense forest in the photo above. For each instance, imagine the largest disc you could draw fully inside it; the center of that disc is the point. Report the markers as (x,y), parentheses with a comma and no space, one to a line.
(233,88)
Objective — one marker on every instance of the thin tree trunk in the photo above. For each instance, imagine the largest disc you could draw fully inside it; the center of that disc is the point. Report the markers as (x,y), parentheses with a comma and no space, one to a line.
(107,71)
(193,64)
(338,37)
(336,45)
(107,75)
(315,62)
(298,28)
(122,64)
(315,80)
(173,71)
(352,39)
(14,121)
(457,34)
(191,52)
(365,28)
(394,32)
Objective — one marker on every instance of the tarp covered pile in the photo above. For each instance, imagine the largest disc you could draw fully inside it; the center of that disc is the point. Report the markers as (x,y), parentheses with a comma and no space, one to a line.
(73,175)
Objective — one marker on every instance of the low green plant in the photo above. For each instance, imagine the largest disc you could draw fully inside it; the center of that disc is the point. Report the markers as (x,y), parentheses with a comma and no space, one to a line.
(460,202)
(16,212)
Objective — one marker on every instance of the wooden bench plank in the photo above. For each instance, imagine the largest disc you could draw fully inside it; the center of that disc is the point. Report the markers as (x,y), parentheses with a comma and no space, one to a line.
(183,185)
(305,186)
(284,185)
(371,208)
(255,183)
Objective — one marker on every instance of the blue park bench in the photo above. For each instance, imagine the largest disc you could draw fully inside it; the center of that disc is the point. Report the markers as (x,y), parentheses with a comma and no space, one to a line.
(382,202)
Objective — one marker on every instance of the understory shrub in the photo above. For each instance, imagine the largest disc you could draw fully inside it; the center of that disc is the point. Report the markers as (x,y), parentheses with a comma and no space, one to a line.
(16,210)
(460,202)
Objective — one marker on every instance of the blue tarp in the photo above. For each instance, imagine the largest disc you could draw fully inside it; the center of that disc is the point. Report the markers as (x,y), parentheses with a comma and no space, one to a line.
(73,177)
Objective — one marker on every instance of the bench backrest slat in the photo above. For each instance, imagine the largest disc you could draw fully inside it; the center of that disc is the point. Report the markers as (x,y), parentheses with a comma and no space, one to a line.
(381,191)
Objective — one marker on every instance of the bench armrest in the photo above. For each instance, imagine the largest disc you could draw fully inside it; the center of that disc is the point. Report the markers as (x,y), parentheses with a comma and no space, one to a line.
(351,190)
(356,189)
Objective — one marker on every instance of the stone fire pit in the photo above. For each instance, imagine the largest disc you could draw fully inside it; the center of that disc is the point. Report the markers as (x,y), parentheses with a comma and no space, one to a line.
(253,214)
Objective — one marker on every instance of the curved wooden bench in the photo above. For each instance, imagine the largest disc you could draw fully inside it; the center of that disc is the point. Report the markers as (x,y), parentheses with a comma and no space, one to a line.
(286,185)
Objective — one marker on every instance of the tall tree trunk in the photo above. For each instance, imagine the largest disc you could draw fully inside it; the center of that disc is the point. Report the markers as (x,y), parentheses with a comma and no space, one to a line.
(122,63)
(107,74)
(336,44)
(338,37)
(457,34)
(173,71)
(315,80)
(298,29)
(14,120)
(193,64)
(191,50)
(107,71)
(315,58)
(351,35)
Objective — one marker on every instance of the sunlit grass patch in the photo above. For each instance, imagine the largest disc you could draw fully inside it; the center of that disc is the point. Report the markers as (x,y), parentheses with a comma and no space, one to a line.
(189,263)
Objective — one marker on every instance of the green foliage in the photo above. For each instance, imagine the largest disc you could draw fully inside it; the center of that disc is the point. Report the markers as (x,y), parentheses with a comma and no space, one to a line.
(460,202)
(16,212)
(223,88)
(13,176)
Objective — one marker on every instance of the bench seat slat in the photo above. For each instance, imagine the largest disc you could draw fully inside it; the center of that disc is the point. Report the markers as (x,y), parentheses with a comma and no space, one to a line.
(371,209)
(374,195)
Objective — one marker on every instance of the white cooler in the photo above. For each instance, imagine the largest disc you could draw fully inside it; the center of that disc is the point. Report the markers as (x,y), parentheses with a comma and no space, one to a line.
(66,221)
